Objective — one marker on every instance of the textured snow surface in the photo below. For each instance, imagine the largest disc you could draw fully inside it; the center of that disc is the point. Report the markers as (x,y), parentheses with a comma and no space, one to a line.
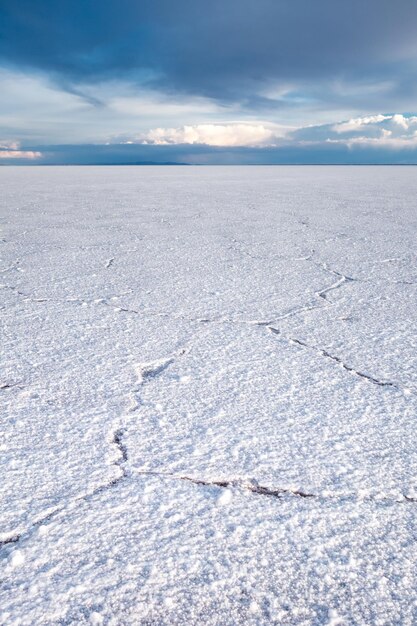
(208,396)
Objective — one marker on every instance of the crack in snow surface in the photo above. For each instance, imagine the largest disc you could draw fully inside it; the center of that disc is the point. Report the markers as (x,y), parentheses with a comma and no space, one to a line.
(15,537)
(251,485)
(324,353)
(321,293)
(348,368)
(150,370)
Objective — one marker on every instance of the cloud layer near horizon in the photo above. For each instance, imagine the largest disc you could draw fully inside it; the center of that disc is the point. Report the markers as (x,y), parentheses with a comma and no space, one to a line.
(389,138)
(392,131)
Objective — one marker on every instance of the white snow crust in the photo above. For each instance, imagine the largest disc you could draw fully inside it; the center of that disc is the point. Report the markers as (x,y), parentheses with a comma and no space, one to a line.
(208,396)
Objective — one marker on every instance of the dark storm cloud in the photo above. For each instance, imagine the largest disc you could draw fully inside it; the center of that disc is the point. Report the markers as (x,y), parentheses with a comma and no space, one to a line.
(225,49)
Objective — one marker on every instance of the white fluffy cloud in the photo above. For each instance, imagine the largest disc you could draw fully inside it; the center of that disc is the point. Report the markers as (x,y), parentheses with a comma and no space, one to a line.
(10,150)
(388,131)
(224,135)
(359,123)
(384,140)
(385,130)
(19,154)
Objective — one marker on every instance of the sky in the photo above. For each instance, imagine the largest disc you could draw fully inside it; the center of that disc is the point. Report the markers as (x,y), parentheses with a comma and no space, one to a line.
(208,81)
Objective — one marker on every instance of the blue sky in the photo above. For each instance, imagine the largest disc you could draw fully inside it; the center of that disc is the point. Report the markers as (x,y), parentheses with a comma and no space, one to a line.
(219,81)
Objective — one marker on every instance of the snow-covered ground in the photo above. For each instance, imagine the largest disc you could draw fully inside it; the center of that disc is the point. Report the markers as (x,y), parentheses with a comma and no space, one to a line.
(209,396)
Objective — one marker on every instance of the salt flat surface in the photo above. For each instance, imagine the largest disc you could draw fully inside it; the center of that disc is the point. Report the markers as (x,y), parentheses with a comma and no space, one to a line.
(208,395)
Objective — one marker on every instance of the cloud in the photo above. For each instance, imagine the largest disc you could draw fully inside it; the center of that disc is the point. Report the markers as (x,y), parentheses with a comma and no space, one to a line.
(229,51)
(288,153)
(389,131)
(19,154)
(11,150)
(377,138)
(92,72)
(376,122)
(359,123)
(35,109)
(404,122)
(225,135)
(385,130)
(385,140)
(9,145)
